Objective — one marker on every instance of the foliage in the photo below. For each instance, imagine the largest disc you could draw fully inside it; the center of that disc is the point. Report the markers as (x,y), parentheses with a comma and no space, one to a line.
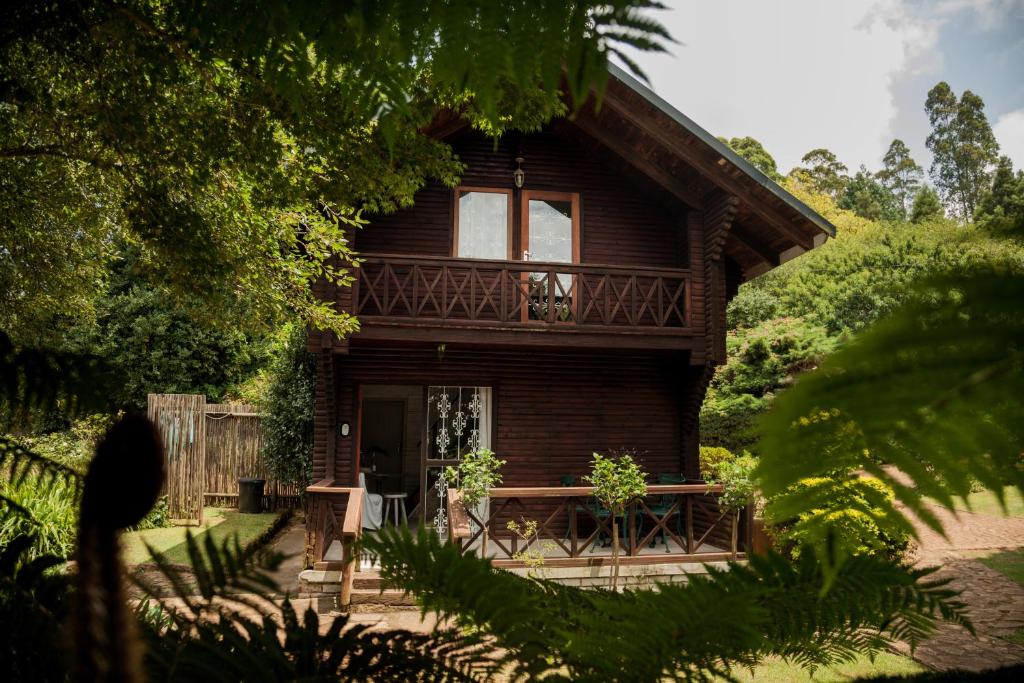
(901,175)
(739,487)
(72,447)
(235,145)
(822,172)
(849,509)
(477,473)
(869,198)
(154,343)
(711,458)
(288,413)
(50,516)
(761,361)
(34,603)
(754,152)
(927,206)
(692,631)
(962,145)
(1001,208)
(617,481)
(157,518)
(229,629)
(935,389)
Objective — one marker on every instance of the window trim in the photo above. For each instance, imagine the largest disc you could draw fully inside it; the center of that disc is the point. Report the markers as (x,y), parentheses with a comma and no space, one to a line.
(510,218)
(524,214)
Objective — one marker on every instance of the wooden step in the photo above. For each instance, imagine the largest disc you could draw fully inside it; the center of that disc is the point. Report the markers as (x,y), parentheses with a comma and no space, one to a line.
(369,579)
(388,598)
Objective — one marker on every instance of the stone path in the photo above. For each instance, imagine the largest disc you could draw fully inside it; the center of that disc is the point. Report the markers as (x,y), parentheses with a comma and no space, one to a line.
(995,602)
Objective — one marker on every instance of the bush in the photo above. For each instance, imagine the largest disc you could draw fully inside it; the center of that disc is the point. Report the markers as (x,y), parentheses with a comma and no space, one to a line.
(54,521)
(729,421)
(288,405)
(852,515)
(711,458)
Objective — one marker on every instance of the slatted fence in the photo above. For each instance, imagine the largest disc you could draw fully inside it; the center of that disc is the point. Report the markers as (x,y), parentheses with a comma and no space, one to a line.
(208,447)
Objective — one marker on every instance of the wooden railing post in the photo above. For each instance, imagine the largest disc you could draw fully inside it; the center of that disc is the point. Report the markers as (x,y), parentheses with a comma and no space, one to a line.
(689,525)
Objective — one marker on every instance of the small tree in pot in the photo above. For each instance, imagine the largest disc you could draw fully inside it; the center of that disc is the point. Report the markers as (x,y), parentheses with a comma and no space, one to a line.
(617,482)
(476,473)
(736,478)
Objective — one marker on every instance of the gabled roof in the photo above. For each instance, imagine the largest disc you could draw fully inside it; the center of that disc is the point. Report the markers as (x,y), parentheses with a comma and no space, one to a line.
(691,127)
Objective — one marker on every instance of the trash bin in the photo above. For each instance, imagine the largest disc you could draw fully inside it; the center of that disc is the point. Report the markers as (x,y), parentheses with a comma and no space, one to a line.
(250,494)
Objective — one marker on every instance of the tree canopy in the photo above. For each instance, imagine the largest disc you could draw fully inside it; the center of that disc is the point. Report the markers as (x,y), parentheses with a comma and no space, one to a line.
(963,147)
(235,144)
(754,152)
(822,172)
(900,174)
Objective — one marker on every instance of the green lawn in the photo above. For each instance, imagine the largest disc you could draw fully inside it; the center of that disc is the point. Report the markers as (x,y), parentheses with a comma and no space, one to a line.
(1008,562)
(777,671)
(985,502)
(218,523)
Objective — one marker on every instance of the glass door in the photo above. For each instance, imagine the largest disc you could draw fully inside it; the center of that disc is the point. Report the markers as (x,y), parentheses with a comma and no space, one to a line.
(551,234)
(458,422)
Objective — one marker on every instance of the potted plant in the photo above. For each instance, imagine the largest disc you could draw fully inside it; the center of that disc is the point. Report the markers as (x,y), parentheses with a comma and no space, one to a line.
(739,489)
(476,473)
(617,482)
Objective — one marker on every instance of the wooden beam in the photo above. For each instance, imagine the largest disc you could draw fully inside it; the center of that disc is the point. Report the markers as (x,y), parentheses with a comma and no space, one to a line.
(754,244)
(633,156)
(715,172)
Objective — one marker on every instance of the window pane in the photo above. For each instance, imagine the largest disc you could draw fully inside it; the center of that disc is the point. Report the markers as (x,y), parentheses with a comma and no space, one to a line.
(550,230)
(483,225)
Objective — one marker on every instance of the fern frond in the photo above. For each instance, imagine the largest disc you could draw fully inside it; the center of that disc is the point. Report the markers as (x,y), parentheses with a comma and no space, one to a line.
(725,619)
(936,390)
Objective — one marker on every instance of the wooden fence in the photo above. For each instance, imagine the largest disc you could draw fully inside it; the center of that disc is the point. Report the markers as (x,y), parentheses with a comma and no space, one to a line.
(208,446)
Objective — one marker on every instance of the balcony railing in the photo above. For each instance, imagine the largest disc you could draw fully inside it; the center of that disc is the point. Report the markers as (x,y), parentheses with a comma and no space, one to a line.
(673,523)
(505,294)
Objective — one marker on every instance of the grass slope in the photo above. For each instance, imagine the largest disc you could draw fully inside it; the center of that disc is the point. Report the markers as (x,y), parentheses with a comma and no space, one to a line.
(218,523)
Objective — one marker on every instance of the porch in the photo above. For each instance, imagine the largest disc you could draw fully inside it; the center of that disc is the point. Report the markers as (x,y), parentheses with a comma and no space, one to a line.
(673,532)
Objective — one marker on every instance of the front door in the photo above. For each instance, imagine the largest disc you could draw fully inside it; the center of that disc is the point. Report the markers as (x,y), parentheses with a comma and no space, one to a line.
(550,233)
(459,421)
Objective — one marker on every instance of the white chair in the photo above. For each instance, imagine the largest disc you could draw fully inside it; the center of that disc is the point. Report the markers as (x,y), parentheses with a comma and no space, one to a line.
(373,506)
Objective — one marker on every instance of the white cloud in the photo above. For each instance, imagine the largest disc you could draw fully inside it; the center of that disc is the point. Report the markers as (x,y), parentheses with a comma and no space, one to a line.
(800,74)
(1009,130)
(795,74)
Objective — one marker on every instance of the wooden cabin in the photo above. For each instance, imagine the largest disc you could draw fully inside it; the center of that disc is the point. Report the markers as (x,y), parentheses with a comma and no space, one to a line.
(567,297)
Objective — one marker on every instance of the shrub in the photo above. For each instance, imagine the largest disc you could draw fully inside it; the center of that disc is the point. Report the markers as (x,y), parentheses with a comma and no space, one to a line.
(477,473)
(288,425)
(854,517)
(617,481)
(711,458)
(729,421)
(54,522)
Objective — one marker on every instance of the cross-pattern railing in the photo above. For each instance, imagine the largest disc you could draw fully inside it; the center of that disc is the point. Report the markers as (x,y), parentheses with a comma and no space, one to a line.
(522,293)
(673,523)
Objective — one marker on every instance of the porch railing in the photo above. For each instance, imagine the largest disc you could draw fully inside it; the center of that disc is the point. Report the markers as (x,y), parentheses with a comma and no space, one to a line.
(673,523)
(503,293)
(337,515)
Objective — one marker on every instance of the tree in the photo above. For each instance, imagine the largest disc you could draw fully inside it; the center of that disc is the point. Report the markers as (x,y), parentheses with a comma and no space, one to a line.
(617,482)
(754,152)
(149,340)
(962,145)
(822,172)
(1002,206)
(900,174)
(288,405)
(868,198)
(926,206)
(237,143)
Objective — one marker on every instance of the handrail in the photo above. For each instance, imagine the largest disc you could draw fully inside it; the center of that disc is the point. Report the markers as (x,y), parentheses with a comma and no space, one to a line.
(399,289)
(559,511)
(347,531)
(526,265)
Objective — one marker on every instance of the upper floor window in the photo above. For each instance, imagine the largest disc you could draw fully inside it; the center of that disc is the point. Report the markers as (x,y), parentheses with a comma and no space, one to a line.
(548,228)
(483,223)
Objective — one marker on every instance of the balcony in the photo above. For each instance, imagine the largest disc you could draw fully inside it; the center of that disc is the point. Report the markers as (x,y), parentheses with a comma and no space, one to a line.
(453,299)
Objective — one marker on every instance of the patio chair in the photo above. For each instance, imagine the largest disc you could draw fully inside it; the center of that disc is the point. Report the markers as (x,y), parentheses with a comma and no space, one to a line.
(664,504)
(373,506)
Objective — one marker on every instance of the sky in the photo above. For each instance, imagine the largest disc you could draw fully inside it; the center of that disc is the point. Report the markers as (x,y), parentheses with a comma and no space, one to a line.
(847,75)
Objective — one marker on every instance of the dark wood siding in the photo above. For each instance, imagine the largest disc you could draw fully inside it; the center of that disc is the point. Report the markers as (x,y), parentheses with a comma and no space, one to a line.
(552,409)
(622,223)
